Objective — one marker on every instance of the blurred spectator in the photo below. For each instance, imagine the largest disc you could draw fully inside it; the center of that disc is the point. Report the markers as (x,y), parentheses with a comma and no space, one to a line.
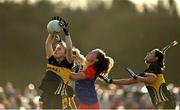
(9,90)
(30,91)
(12,98)
(111,97)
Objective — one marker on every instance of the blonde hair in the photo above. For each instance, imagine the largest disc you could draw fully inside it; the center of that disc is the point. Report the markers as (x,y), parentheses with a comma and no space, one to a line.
(78,57)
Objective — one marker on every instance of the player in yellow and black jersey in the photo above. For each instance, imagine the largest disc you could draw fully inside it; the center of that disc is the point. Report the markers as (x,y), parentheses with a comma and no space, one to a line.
(153,78)
(56,92)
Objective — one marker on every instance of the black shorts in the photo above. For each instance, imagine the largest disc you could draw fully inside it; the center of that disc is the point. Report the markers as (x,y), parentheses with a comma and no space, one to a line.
(51,101)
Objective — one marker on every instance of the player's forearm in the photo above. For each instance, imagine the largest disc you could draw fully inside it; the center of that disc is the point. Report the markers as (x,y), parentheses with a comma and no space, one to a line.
(69,54)
(124,81)
(48,45)
(50,39)
(68,42)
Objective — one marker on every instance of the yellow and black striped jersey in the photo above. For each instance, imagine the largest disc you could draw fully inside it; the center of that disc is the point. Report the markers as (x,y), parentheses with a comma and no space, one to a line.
(158,90)
(57,76)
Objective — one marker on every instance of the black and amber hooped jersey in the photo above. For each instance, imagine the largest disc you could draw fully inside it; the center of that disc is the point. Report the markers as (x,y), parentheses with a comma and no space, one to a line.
(158,90)
(57,76)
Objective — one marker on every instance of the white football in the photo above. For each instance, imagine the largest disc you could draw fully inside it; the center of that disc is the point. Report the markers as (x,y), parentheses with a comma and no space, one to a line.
(53,26)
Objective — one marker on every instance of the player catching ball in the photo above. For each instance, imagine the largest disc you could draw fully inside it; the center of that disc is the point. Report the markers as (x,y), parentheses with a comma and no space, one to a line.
(56,92)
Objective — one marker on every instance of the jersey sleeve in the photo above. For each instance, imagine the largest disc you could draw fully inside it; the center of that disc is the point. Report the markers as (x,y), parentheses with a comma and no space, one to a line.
(89,72)
(154,68)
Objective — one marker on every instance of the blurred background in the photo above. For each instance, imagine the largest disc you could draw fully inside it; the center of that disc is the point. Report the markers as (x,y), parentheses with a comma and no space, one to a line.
(124,29)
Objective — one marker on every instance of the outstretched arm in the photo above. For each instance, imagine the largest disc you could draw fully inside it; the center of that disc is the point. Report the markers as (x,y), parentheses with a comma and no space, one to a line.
(150,78)
(118,81)
(124,81)
(143,77)
(48,45)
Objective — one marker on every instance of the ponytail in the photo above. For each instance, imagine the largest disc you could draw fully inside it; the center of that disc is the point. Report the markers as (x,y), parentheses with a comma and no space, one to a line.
(104,63)
(161,54)
(109,64)
(169,46)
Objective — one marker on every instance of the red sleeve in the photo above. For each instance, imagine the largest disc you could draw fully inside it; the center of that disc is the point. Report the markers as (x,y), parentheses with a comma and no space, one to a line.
(89,72)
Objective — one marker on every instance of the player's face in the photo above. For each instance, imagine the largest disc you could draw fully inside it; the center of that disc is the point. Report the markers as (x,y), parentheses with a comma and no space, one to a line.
(92,56)
(150,57)
(59,51)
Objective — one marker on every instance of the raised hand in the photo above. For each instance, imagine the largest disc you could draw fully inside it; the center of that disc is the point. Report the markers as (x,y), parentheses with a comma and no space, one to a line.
(63,24)
(65,27)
